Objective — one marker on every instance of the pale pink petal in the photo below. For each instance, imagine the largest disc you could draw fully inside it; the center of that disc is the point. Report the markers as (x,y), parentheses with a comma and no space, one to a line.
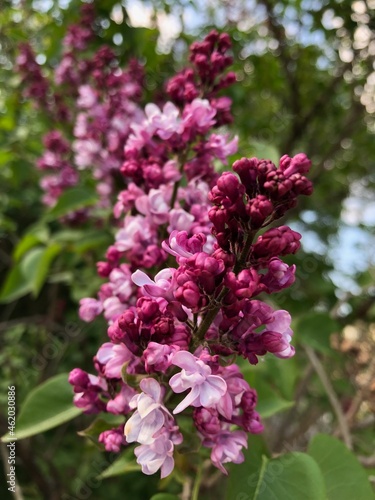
(225,406)
(121,355)
(185,360)
(151,387)
(218,383)
(167,467)
(176,383)
(152,466)
(146,405)
(191,399)
(105,353)
(209,394)
(152,110)
(140,278)
(165,274)
(150,425)
(132,427)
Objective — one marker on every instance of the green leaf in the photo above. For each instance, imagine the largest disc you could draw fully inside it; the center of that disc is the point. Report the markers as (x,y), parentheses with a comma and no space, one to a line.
(344,476)
(272,404)
(100,425)
(15,285)
(47,406)
(36,264)
(5,157)
(44,265)
(91,240)
(122,465)
(269,401)
(68,235)
(30,274)
(70,200)
(245,475)
(264,150)
(294,476)
(284,374)
(27,242)
(314,329)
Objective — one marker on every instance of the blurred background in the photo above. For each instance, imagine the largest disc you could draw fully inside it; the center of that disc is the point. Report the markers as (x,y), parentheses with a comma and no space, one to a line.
(305,83)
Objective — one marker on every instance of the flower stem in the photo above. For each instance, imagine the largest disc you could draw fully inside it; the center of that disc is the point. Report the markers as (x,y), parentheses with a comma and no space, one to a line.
(197,484)
(212,312)
(211,315)
(241,262)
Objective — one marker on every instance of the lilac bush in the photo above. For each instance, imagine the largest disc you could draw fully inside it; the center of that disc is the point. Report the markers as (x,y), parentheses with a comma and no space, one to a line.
(91,104)
(194,257)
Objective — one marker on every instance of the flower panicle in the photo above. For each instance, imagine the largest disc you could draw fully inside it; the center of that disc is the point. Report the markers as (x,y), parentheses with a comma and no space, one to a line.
(188,275)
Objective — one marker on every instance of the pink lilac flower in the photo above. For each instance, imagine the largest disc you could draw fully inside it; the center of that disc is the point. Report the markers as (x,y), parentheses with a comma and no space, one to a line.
(113,308)
(93,96)
(89,309)
(158,357)
(180,220)
(168,122)
(156,455)
(278,335)
(113,439)
(218,146)
(150,414)
(228,448)
(279,275)
(120,404)
(183,247)
(206,389)
(198,116)
(162,286)
(113,357)
(135,227)
(155,205)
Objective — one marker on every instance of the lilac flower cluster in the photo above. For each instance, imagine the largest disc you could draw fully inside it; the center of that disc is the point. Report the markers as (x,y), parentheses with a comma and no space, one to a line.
(94,94)
(185,274)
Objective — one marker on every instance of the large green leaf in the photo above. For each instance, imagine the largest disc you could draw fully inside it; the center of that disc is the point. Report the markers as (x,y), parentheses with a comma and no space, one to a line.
(246,475)
(122,465)
(40,272)
(36,234)
(47,406)
(294,476)
(344,476)
(30,274)
(272,403)
(15,285)
(27,242)
(70,200)
(314,329)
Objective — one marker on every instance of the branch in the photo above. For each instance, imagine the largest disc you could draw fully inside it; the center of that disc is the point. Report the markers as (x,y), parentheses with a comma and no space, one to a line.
(279,33)
(300,122)
(335,403)
(17,494)
(290,415)
(361,394)
(367,461)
